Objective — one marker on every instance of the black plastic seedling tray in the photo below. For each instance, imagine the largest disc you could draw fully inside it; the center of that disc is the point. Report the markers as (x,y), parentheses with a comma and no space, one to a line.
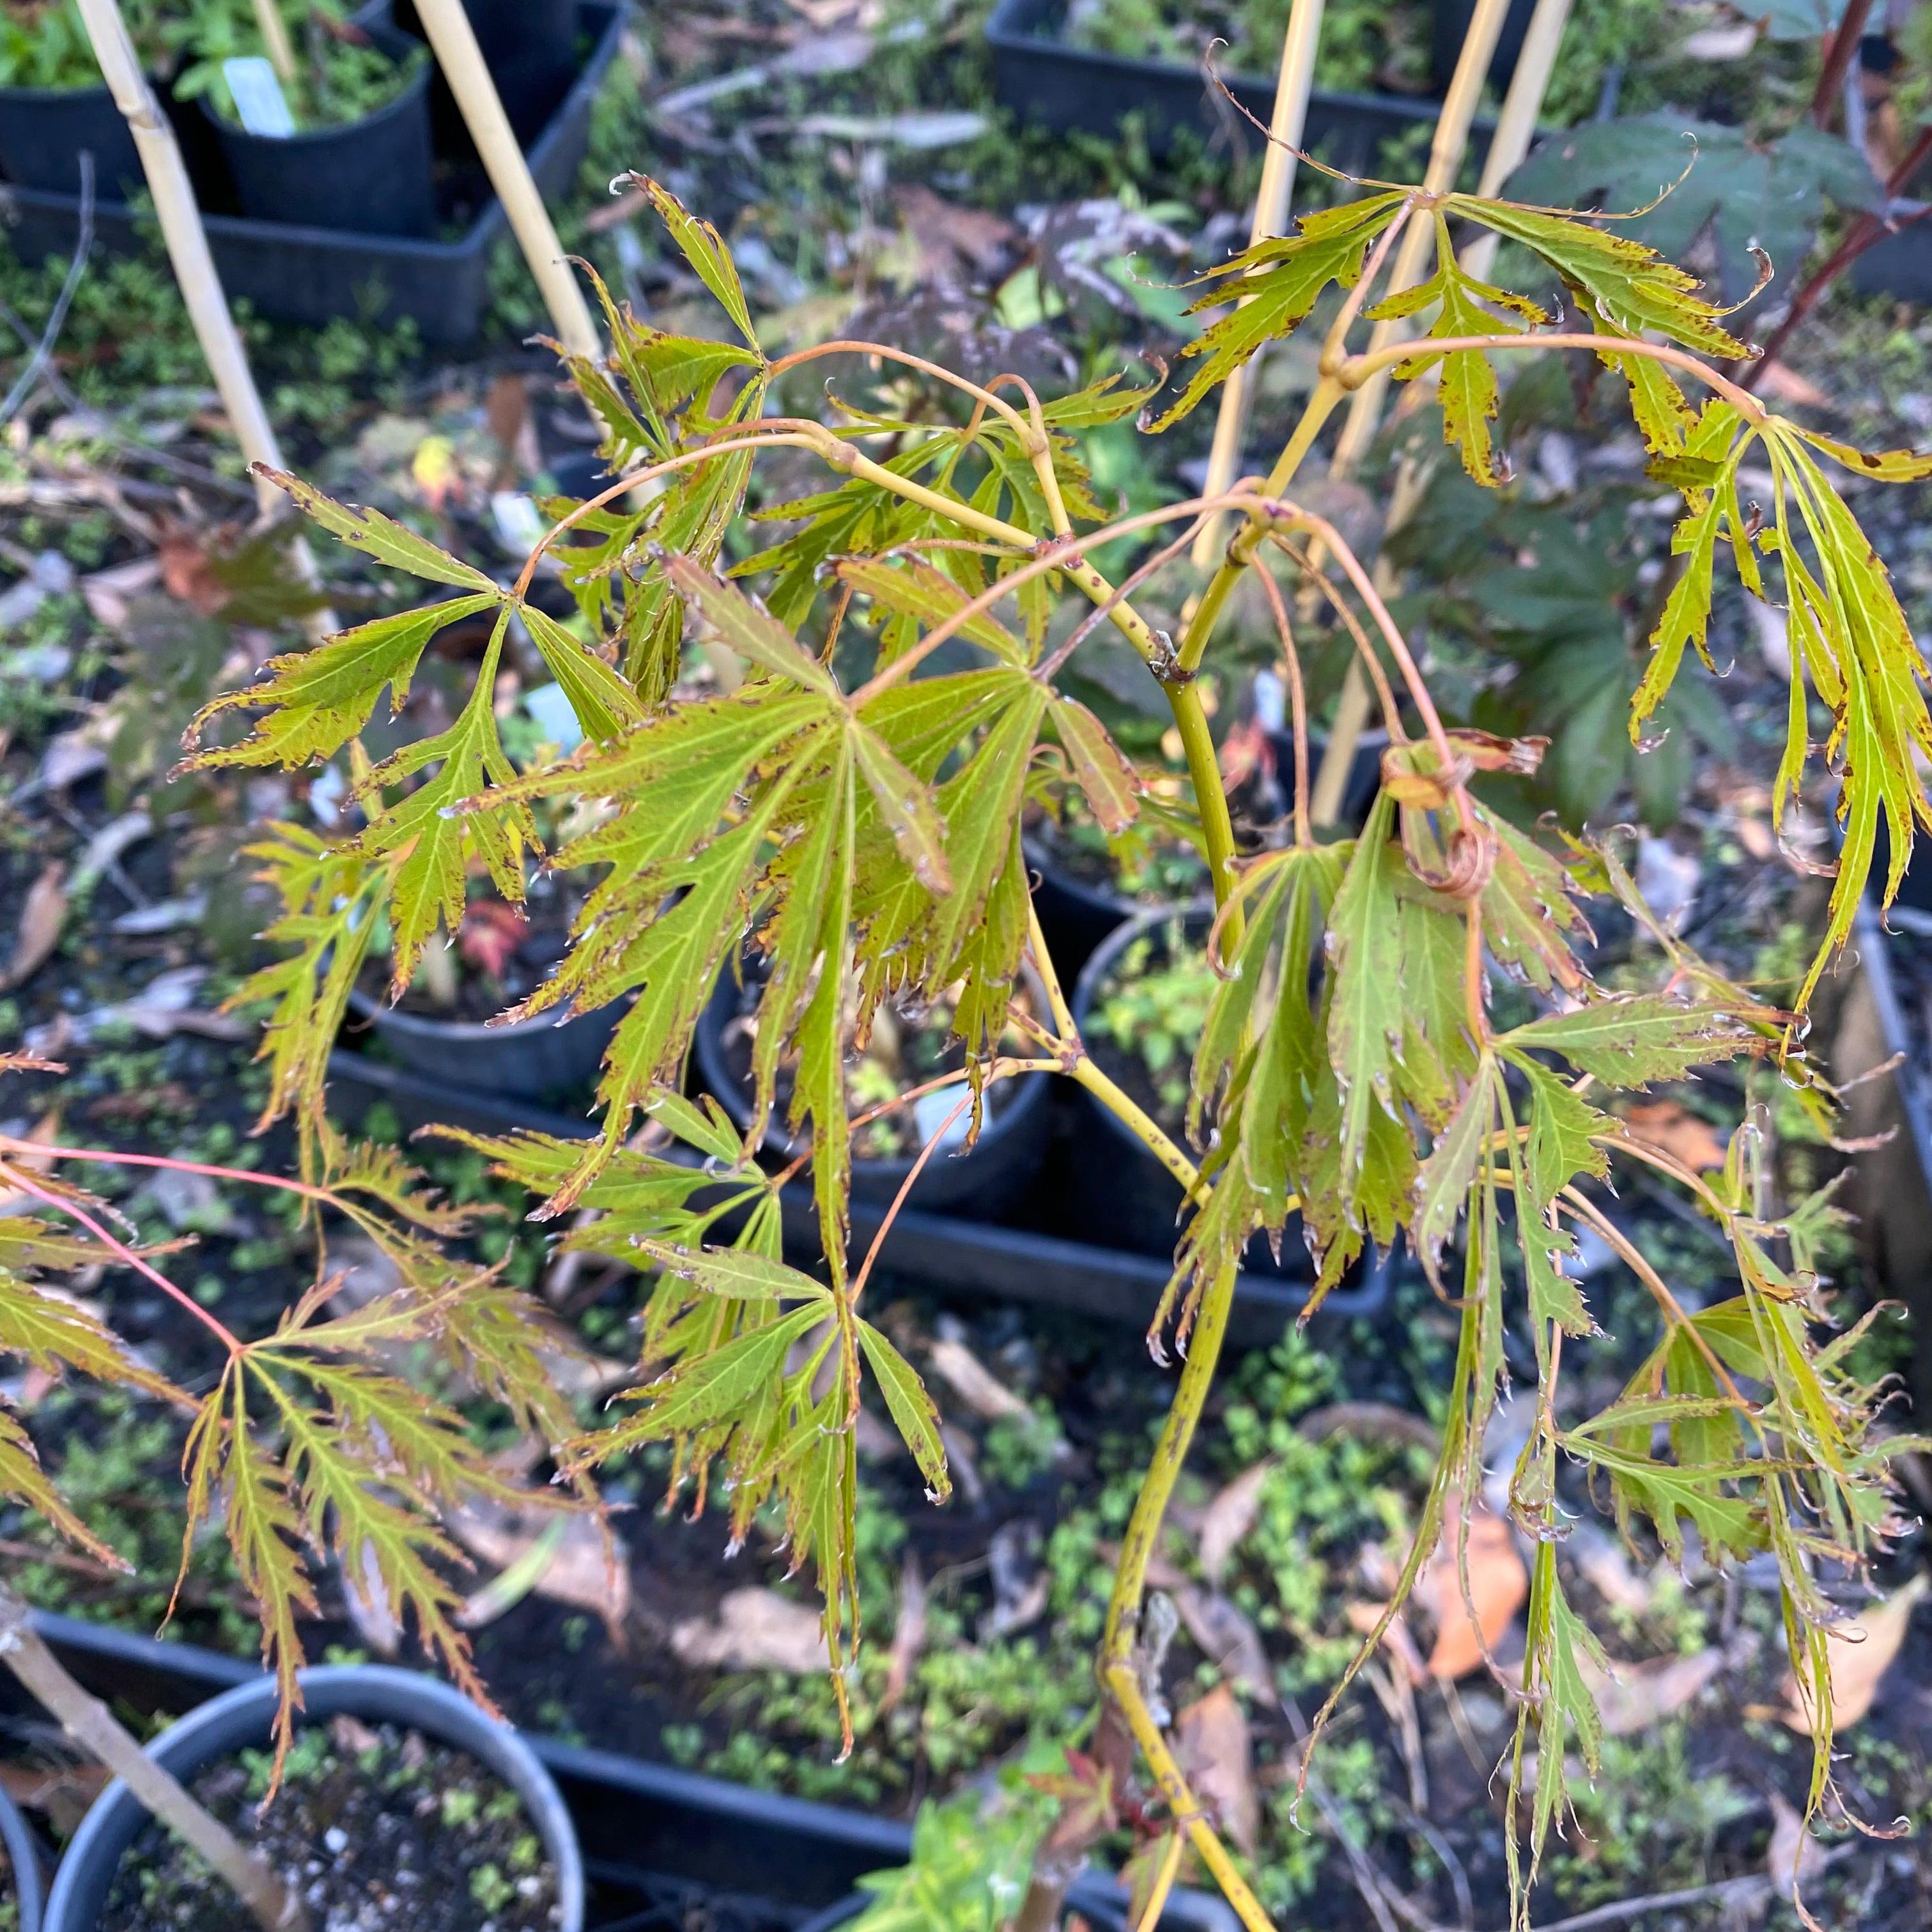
(314,275)
(1026,1259)
(1069,90)
(664,1848)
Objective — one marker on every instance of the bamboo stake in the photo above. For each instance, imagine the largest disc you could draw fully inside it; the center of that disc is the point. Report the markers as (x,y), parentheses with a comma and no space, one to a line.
(1286,128)
(1516,126)
(276,1906)
(274,32)
(1365,407)
(186,242)
(454,42)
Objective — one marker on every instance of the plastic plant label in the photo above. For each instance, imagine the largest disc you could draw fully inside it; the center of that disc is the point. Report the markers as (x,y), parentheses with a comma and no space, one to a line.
(929,1113)
(258,97)
(550,705)
(520,524)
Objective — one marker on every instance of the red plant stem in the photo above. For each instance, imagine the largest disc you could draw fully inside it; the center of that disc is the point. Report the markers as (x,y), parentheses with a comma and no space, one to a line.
(121,1252)
(114,1157)
(899,1199)
(1841,50)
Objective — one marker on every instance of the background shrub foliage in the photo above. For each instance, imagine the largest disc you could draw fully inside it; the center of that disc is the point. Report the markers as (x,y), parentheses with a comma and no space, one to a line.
(832,786)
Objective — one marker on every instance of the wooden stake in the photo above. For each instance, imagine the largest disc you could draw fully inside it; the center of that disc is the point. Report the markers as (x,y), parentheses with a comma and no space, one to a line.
(1365,407)
(1516,126)
(274,33)
(187,242)
(92,1726)
(454,41)
(1286,127)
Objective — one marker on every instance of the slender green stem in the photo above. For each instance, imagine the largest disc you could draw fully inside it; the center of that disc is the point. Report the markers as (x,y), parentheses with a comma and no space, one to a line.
(1322,403)
(1203,772)
(1139,1123)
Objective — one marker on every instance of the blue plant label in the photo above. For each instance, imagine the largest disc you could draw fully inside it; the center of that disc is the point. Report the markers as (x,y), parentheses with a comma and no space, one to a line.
(258,97)
(930,1114)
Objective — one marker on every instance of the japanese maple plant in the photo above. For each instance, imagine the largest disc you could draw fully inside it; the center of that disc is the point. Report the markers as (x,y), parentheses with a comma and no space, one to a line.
(823,789)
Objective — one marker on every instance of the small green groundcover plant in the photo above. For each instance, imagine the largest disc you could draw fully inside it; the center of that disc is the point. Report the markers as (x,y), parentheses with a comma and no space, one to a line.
(849,803)
(340,76)
(43,44)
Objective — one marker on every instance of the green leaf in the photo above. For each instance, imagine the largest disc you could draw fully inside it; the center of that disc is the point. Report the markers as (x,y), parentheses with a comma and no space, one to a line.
(382,538)
(23,1481)
(1631,1040)
(1631,285)
(1443,1182)
(53,1335)
(1112,785)
(604,704)
(1742,192)
(737,1274)
(317,699)
(1365,1014)
(704,247)
(910,589)
(757,637)
(712,1389)
(264,1532)
(1275,284)
(1686,612)
(1851,638)
(908,808)
(912,1409)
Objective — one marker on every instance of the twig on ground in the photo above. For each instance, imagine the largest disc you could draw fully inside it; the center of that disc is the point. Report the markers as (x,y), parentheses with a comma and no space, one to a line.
(83,246)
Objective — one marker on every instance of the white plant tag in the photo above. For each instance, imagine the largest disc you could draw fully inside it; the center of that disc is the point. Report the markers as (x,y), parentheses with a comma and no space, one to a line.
(555,717)
(258,97)
(928,1114)
(520,525)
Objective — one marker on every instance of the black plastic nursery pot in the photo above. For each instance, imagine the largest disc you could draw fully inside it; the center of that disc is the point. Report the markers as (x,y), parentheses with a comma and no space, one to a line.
(1117,1183)
(372,176)
(1066,89)
(312,274)
(1077,915)
(980,1180)
(551,1053)
(649,1836)
(21,1852)
(45,130)
(1365,770)
(242,1718)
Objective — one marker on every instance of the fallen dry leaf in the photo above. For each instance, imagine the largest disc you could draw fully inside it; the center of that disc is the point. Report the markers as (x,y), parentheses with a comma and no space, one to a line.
(39,931)
(1211,1737)
(1228,1518)
(1780,380)
(974,1384)
(908,1634)
(1634,1697)
(1794,1858)
(755,1630)
(1675,1131)
(1860,1652)
(955,243)
(64,1792)
(1224,1637)
(1499,1583)
(586,1564)
(1605,1565)
(1396,1639)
